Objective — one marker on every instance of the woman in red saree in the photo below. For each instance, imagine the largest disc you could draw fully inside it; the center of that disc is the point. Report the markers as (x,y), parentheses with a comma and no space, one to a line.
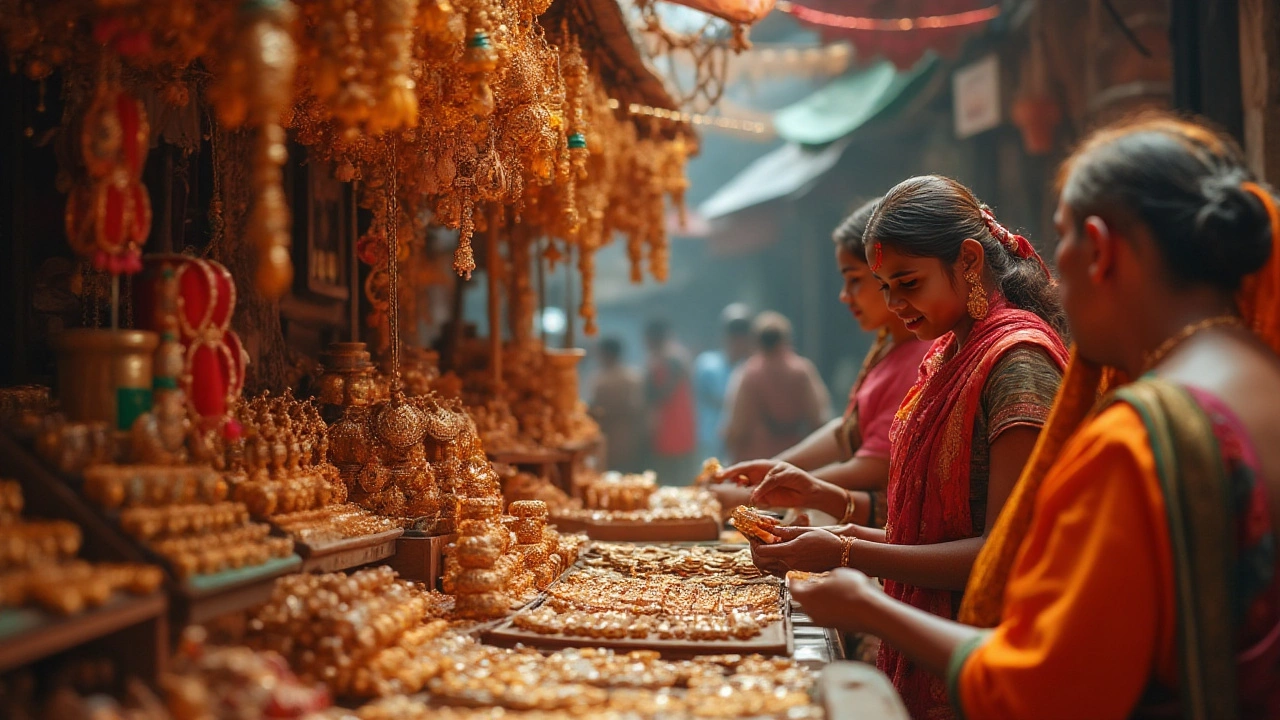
(851,451)
(956,276)
(1145,580)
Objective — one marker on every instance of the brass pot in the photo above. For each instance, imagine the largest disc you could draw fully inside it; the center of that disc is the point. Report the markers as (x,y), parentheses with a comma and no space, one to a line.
(105,375)
(562,377)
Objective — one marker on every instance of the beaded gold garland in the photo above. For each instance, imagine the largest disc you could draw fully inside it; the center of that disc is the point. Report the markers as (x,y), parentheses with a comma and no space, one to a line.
(492,109)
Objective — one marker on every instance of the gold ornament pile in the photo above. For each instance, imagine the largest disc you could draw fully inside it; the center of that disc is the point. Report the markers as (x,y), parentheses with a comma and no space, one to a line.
(498,563)
(487,580)
(616,491)
(668,503)
(183,515)
(536,407)
(481,682)
(363,634)
(207,681)
(38,565)
(710,565)
(280,464)
(409,458)
(280,470)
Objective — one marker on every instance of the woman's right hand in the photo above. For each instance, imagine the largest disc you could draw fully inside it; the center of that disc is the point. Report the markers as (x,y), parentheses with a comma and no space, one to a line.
(730,496)
(788,486)
(746,474)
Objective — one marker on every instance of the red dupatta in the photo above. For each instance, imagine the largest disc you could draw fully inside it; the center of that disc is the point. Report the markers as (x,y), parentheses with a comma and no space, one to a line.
(932,437)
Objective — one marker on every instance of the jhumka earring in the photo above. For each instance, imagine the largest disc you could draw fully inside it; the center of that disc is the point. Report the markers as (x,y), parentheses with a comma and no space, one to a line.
(977,296)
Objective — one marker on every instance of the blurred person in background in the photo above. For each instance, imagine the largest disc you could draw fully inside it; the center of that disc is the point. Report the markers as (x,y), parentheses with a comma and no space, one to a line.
(668,390)
(617,404)
(776,398)
(711,372)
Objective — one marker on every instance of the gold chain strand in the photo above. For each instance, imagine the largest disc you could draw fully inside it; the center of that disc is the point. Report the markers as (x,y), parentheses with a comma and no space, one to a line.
(1155,357)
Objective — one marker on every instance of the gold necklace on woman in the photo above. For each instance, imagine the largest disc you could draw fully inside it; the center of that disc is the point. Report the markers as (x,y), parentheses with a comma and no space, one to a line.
(1155,357)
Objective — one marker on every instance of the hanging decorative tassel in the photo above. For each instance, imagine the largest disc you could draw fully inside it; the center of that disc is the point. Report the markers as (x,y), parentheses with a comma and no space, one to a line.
(255,85)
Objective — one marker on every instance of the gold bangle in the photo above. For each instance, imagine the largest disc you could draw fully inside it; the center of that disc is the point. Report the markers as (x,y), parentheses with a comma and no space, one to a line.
(848,508)
(847,542)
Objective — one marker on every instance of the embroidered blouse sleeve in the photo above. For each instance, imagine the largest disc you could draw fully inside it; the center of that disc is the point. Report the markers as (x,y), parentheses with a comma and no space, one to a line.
(1020,391)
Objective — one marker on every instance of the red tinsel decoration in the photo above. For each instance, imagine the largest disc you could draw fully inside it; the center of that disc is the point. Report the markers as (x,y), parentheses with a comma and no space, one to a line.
(900,31)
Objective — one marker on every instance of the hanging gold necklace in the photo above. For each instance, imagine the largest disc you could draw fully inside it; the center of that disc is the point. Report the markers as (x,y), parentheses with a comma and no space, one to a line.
(1155,357)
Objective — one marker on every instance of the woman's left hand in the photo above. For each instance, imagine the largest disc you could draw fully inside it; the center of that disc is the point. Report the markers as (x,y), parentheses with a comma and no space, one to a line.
(838,600)
(808,549)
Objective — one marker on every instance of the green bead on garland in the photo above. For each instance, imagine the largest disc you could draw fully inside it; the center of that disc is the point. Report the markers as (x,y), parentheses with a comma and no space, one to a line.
(480,40)
(577,141)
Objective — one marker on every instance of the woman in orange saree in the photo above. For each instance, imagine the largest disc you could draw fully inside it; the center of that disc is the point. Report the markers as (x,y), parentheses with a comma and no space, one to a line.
(956,276)
(1146,582)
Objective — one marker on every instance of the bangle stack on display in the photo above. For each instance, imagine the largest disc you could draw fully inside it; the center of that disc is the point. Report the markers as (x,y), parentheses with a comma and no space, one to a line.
(498,563)
(183,515)
(39,569)
(362,635)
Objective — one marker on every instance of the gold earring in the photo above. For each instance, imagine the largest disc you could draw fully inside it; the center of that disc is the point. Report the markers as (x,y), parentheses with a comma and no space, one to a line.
(977,296)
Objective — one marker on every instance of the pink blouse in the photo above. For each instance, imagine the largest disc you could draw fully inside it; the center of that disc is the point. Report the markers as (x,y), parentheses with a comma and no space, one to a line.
(881,394)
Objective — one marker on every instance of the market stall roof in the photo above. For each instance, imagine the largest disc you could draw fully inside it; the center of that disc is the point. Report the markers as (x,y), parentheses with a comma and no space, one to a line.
(787,170)
(828,119)
(851,101)
(611,52)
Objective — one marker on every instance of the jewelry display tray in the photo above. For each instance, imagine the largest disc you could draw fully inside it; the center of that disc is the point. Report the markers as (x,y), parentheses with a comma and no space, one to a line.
(702,529)
(776,638)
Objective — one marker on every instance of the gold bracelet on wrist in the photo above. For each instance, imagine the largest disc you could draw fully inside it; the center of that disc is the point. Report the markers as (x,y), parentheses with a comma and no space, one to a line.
(847,542)
(849,507)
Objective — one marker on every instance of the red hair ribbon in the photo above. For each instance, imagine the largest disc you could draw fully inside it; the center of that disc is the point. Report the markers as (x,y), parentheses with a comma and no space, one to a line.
(1016,244)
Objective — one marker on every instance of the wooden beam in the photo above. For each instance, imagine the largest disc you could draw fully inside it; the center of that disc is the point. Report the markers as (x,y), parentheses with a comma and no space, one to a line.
(1260,85)
(1205,38)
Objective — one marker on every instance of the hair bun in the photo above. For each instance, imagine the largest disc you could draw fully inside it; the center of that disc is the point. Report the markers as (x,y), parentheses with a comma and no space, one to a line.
(1232,230)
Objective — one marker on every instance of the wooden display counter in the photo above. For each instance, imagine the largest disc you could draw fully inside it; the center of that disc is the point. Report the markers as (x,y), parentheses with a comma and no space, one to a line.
(857,691)
(348,553)
(196,600)
(420,558)
(133,629)
(202,598)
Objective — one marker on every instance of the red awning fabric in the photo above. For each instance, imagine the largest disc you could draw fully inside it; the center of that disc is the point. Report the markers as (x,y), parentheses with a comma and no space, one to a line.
(900,31)
(747,12)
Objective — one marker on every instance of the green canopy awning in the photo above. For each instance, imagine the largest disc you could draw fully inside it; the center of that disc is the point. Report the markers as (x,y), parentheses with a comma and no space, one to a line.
(851,101)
